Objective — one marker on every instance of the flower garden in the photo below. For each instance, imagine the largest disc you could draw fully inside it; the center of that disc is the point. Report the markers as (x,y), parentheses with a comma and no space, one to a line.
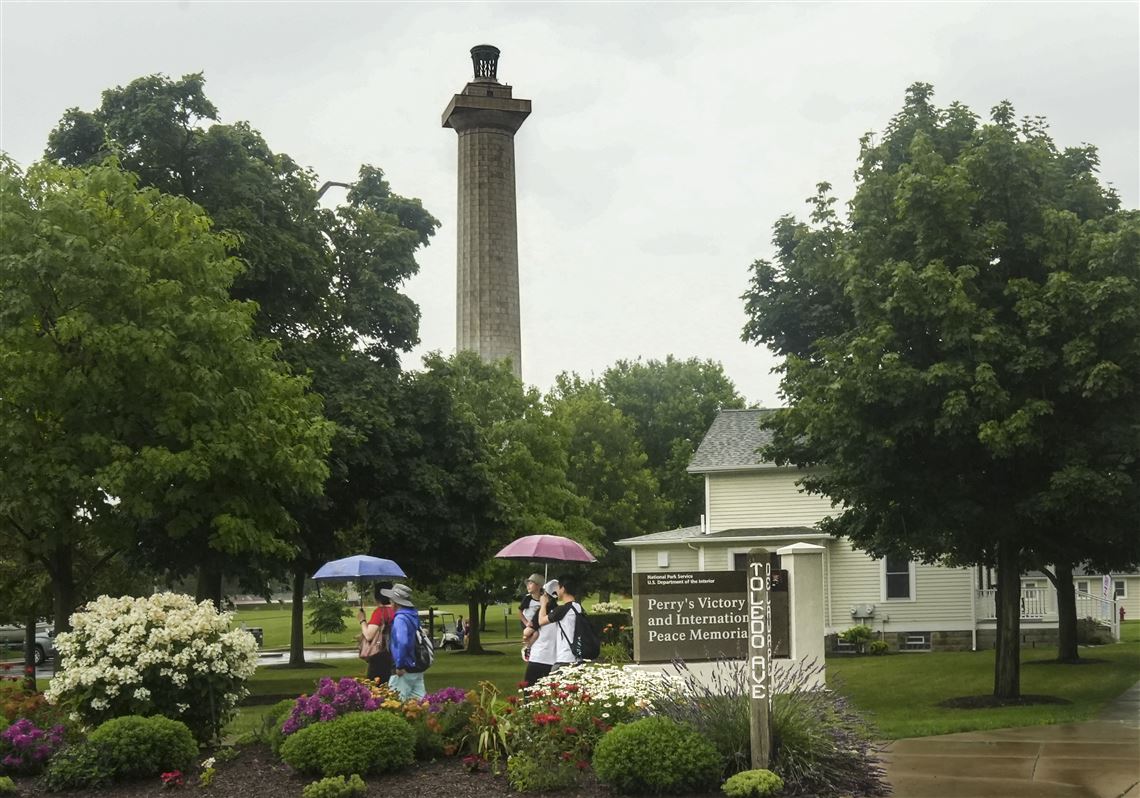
(146,685)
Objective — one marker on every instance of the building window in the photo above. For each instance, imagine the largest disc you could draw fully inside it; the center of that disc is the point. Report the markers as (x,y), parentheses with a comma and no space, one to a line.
(1083,586)
(898,573)
(1118,589)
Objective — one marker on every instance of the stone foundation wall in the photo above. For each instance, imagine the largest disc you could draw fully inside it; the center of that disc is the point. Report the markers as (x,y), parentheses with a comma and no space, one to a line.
(1030,638)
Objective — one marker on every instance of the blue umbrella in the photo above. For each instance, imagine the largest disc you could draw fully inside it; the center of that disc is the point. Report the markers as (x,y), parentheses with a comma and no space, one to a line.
(360,566)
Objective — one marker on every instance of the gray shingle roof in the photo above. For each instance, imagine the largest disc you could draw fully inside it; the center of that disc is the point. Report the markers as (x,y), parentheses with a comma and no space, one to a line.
(664,537)
(731,442)
(691,534)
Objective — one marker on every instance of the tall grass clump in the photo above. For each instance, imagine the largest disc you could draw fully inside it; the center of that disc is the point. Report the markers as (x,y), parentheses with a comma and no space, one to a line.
(820,746)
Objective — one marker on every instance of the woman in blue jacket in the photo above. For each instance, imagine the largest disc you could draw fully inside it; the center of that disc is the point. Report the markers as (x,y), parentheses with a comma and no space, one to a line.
(407,675)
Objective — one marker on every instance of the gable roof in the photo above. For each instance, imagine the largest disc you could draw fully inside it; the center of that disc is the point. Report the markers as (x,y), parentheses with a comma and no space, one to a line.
(732,442)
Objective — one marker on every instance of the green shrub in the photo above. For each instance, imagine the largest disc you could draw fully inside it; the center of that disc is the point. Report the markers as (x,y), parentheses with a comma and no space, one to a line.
(658,756)
(7,786)
(527,774)
(858,636)
(137,747)
(878,647)
(271,721)
(615,653)
(819,745)
(1092,633)
(359,742)
(753,784)
(336,787)
(429,742)
(80,766)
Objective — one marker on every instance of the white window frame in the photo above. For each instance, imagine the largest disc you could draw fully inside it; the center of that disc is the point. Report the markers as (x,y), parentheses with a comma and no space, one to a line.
(1123,589)
(911,567)
(1087,584)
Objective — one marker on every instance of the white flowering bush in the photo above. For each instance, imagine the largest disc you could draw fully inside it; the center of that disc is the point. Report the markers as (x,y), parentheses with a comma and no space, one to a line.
(608,608)
(605,684)
(158,655)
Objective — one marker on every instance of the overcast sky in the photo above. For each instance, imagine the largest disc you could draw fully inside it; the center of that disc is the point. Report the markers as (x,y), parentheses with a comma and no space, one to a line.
(664,141)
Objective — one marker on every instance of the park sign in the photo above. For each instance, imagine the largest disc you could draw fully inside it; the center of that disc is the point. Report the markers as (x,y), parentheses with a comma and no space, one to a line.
(700,616)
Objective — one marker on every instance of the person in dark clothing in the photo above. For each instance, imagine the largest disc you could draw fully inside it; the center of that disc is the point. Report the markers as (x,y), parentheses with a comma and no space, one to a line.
(380,665)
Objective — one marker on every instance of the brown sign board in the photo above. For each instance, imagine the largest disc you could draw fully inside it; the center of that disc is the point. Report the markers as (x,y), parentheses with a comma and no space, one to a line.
(701,615)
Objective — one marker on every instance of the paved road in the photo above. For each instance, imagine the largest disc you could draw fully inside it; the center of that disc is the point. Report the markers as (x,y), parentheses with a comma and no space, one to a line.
(1094,759)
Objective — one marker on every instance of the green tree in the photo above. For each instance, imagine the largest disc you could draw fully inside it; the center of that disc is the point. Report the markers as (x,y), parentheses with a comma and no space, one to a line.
(327,611)
(328,285)
(136,402)
(672,403)
(522,455)
(961,354)
(608,469)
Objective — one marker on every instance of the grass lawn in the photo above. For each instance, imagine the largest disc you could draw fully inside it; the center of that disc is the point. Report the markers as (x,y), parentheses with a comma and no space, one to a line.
(275,620)
(899,693)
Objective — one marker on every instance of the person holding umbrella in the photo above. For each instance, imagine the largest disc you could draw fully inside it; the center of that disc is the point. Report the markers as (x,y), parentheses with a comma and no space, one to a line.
(380,664)
(544,645)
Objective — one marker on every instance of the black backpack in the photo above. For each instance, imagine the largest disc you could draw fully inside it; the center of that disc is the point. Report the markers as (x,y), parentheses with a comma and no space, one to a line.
(586,645)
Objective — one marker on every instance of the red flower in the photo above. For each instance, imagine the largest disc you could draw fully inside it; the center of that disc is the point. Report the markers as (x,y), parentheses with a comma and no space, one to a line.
(570,730)
(521,685)
(571,688)
(567,756)
(512,699)
(582,764)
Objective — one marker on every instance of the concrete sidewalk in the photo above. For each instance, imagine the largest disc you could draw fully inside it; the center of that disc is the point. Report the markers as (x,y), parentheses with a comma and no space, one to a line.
(1094,759)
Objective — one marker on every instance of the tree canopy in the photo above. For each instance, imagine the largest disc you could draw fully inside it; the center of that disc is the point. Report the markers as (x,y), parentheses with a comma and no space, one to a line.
(328,284)
(962,352)
(135,399)
(672,403)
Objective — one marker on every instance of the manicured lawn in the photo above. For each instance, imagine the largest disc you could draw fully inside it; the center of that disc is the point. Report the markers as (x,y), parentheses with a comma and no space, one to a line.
(899,693)
(275,620)
(451,669)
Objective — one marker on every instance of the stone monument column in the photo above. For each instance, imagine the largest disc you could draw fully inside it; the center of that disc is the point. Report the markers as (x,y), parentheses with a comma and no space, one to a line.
(486,117)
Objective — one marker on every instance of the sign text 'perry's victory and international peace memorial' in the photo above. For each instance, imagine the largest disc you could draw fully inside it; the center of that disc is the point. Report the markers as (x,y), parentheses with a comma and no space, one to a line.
(701,615)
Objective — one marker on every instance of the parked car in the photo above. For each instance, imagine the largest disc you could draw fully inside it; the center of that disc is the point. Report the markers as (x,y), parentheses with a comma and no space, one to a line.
(12,638)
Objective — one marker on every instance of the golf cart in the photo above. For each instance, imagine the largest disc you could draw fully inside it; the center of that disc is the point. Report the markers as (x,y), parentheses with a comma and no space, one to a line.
(445,637)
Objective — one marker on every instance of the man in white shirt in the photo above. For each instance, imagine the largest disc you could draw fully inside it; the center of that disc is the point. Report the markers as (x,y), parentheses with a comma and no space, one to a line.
(564,618)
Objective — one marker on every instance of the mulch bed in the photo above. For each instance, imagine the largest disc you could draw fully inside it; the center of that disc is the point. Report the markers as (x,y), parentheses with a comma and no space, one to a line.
(989,701)
(257,773)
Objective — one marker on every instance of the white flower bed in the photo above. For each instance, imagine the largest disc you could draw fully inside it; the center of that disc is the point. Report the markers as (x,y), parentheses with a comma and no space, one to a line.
(608,683)
(162,654)
(607,608)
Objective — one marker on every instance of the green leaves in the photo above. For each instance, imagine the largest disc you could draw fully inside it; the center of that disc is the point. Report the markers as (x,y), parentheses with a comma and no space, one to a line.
(979,345)
(133,389)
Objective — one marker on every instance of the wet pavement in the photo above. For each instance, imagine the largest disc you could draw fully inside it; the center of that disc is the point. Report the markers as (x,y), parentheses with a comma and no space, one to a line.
(1099,758)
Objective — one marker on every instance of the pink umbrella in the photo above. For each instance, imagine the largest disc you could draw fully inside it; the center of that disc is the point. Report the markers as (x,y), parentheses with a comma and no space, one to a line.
(546,549)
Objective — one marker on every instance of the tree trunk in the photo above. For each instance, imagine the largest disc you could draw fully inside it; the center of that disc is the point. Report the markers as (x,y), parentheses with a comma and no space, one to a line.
(209,587)
(30,652)
(297,620)
(1007,660)
(483,616)
(603,596)
(1066,614)
(62,587)
(473,644)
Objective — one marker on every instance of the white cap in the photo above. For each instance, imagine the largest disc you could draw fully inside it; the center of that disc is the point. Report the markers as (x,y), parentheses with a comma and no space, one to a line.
(551,587)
